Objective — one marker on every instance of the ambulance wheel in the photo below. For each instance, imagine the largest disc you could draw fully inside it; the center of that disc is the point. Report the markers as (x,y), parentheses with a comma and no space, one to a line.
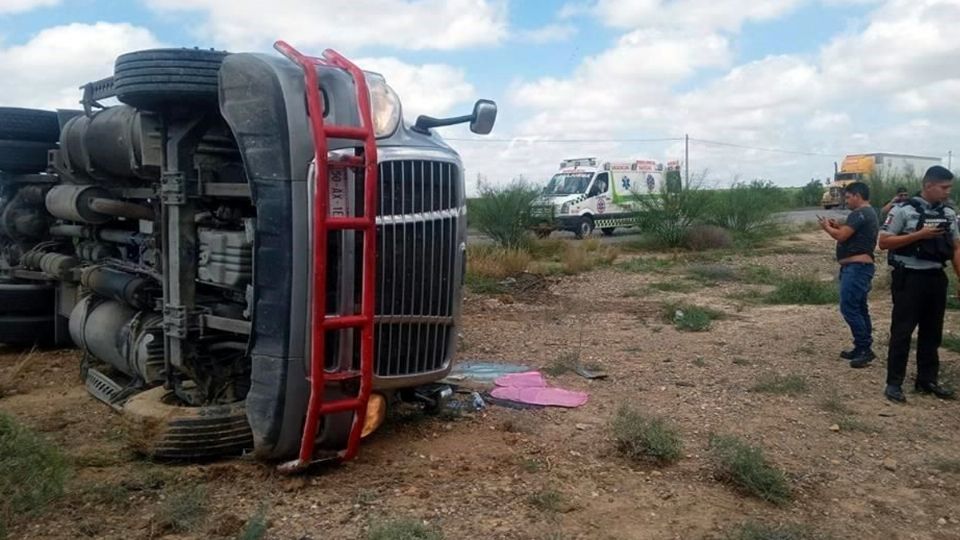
(585,227)
(608,231)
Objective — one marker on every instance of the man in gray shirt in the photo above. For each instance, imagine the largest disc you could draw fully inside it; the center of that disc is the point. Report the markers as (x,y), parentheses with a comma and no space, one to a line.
(856,242)
(922,237)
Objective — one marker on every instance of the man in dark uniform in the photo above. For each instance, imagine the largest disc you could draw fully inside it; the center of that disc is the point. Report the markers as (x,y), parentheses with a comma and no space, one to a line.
(922,237)
(856,243)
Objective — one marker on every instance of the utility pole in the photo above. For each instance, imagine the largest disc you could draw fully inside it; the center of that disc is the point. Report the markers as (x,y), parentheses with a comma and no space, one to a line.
(686,159)
(950,160)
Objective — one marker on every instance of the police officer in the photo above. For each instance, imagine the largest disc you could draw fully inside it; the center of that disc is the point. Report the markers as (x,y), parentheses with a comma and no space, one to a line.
(922,236)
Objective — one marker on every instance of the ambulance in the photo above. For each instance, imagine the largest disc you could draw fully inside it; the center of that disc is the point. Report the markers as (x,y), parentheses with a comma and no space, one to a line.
(585,195)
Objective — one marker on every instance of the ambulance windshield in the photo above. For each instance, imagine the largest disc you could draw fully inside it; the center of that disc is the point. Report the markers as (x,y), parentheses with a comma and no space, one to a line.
(568,184)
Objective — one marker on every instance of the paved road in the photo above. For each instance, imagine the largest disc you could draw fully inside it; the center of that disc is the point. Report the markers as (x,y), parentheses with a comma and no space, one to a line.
(795,217)
(809,215)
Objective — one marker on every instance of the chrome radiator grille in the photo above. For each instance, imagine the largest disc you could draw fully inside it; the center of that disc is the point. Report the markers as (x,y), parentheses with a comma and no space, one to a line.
(418,264)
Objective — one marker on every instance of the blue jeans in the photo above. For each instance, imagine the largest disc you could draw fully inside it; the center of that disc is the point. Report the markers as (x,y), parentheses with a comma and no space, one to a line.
(855,282)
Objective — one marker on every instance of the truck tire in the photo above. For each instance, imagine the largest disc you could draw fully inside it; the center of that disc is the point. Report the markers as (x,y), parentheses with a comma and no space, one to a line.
(26,299)
(584,227)
(608,231)
(155,78)
(21,157)
(29,125)
(27,313)
(27,329)
(160,428)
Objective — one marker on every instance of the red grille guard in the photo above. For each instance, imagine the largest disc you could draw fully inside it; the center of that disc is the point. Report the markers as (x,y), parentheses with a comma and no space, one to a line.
(323,224)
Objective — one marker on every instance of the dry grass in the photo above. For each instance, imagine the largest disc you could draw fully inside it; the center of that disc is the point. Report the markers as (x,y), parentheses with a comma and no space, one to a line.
(548,500)
(497,263)
(32,471)
(403,529)
(644,438)
(782,385)
(746,467)
(183,510)
(9,380)
(579,257)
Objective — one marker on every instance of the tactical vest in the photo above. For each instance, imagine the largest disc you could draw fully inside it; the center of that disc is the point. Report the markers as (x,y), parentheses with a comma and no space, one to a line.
(939,249)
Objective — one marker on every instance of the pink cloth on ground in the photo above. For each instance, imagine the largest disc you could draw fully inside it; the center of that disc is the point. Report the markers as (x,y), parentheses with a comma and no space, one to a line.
(530,387)
(527,379)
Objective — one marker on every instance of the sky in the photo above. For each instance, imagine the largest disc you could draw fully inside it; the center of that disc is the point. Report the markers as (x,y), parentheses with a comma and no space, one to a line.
(771,89)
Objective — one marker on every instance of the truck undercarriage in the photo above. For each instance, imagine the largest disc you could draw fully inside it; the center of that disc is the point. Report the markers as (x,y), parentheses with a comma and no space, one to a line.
(173,238)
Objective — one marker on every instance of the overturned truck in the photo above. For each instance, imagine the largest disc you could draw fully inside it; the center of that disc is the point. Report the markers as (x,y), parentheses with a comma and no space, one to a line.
(253,252)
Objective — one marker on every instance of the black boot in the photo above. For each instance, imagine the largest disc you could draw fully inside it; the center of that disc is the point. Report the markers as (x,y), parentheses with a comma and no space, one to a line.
(862,359)
(935,389)
(895,393)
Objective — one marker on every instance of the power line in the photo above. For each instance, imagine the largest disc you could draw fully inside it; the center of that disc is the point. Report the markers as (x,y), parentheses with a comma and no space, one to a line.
(762,149)
(581,141)
(653,140)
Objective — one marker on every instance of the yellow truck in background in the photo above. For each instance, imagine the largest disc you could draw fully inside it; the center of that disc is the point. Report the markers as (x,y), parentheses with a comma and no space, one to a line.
(861,167)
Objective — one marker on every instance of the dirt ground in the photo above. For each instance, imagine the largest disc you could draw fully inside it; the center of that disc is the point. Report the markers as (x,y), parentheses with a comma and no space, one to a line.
(478,476)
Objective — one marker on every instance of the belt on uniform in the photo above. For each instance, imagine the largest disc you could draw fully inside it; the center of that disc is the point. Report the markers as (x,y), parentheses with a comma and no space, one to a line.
(921,270)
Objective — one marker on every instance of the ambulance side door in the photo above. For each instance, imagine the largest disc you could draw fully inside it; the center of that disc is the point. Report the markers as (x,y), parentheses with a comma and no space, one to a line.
(598,198)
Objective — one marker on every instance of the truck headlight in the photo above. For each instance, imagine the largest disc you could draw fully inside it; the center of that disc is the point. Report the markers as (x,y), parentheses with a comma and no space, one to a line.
(384,105)
(565,209)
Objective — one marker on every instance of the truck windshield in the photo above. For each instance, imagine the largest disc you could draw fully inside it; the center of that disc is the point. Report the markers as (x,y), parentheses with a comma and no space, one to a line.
(568,184)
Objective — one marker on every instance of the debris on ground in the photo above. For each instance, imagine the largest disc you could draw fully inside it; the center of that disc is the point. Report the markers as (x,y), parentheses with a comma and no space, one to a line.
(482,372)
(531,388)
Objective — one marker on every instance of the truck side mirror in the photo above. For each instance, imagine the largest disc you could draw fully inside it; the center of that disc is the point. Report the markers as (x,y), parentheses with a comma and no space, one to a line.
(484,116)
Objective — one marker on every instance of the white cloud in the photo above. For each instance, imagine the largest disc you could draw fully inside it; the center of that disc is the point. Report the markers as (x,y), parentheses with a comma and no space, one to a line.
(623,79)
(244,25)
(941,96)
(690,14)
(907,43)
(432,89)
(827,121)
(888,84)
(22,6)
(46,71)
(548,34)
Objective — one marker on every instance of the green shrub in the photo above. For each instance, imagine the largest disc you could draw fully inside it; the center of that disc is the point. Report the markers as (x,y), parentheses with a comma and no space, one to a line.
(669,216)
(32,471)
(762,531)
(809,195)
(647,265)
(747,207)
(759,275)
(712,273)
(792,384)
(951,343)
(183,510)
(689,318)
(883,188)
(503,212)
(641,437)
(403,529)
(674,286)
(547,500)
(804,290)
(256,527)
(706,237)
(746,467)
